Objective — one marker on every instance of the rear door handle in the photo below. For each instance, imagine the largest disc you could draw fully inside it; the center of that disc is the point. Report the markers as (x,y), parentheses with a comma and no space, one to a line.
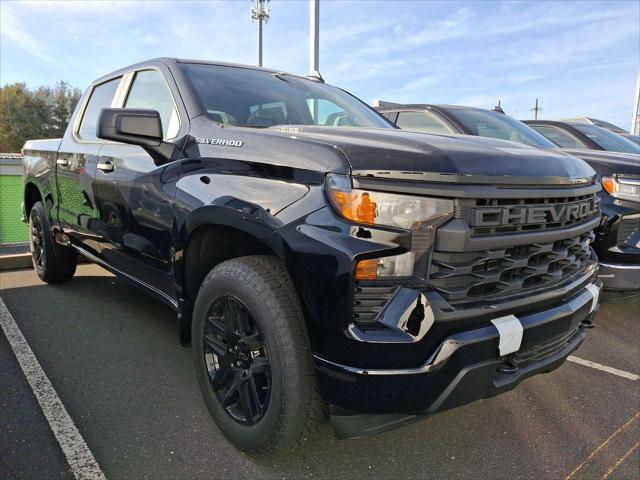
(62,162)
(106,167)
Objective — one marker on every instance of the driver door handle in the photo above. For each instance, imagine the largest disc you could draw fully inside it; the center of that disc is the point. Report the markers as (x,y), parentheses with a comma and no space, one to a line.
(106,167)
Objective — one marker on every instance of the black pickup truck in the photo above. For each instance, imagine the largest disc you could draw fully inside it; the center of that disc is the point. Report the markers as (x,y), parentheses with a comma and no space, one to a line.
(322,260)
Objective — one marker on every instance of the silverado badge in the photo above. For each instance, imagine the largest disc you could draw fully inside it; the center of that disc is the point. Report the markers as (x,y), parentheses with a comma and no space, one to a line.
(219,141)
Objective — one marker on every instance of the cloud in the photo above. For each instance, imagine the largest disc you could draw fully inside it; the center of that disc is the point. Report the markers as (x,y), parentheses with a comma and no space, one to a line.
(569,54)
(12,30)
(403,37)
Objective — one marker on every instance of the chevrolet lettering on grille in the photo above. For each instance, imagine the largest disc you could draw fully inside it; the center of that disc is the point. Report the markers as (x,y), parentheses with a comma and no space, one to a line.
(525,215)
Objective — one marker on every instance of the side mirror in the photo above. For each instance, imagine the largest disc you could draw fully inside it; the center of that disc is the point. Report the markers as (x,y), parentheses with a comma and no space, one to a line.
(130,125)
(136,127)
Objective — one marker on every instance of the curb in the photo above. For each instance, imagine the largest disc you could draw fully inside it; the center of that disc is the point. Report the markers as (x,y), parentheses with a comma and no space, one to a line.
(16,261)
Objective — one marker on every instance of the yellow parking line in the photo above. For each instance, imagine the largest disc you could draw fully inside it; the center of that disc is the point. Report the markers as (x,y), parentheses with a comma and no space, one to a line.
(602,445)
(622,459)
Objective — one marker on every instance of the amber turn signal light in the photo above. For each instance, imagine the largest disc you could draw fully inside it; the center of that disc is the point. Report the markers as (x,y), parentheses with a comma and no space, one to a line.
(355,206)
(609,184)
(367,269)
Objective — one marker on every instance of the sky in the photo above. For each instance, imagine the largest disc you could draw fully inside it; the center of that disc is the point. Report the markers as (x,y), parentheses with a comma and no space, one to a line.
(578,58)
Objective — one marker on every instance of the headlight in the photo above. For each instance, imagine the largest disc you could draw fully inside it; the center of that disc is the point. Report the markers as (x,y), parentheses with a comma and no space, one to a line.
(390,209)
(422,215)
(624,188)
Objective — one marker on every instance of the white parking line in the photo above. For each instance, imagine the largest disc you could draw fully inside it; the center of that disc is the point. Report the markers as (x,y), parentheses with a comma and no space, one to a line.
(604,368)
(81,460)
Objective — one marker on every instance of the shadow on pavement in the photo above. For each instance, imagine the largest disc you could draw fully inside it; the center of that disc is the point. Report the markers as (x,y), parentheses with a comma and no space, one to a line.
(113,355)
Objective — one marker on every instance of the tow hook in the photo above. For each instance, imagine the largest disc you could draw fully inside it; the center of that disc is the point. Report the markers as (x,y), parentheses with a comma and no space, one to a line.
(588,323)
(508,365)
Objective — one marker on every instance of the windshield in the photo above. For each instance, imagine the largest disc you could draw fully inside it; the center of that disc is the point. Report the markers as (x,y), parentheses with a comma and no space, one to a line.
(253,98)
(486,123)
(607,139)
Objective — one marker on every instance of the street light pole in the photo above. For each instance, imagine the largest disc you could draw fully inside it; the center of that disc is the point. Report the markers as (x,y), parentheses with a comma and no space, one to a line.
(314,37)
(314,50)
(635,121)
(261,13)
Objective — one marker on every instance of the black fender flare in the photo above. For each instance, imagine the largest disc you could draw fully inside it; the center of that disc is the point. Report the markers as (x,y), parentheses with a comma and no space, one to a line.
(228,212)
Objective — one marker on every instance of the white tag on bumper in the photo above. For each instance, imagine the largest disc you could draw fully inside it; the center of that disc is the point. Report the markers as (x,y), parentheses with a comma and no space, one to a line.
(595,293)
(510,330)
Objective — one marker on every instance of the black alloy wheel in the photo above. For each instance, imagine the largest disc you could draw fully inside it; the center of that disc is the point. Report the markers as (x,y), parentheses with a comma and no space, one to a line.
(37,242)
(52,263)
(252,356)
(237,360)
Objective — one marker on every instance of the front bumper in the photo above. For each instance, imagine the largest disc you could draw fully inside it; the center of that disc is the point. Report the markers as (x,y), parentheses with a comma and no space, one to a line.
(467,366)
(620,276)
(618,244)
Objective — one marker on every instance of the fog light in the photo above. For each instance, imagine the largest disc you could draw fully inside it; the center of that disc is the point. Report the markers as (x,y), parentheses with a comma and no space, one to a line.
(396,266)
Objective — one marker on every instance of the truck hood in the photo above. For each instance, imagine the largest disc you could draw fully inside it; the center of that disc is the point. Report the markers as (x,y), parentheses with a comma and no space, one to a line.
(399,154)
(608,163)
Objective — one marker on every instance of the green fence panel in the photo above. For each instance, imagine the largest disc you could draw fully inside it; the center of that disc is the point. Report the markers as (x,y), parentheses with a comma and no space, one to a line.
(12,230)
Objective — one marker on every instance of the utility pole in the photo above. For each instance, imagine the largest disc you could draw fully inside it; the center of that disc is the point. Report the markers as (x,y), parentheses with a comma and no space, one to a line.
(314,51)
(536,109)
(261,13)
(314,37)
(635,121)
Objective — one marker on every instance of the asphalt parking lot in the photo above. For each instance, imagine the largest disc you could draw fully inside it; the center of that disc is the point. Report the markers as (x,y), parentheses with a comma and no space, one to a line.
(112,355)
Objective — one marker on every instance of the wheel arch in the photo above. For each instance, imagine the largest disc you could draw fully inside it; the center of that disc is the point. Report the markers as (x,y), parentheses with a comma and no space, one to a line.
(213,234)
(31,195)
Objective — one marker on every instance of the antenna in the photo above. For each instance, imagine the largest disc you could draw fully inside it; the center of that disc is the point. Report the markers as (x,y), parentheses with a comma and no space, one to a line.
(536,109)
(261,13)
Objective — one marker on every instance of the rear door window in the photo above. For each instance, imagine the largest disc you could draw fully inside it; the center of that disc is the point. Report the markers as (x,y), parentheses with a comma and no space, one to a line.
(101,97)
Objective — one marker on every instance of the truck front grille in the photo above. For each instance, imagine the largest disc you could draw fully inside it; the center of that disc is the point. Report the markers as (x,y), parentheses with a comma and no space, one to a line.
(470,275)
(496,249)
(465,208)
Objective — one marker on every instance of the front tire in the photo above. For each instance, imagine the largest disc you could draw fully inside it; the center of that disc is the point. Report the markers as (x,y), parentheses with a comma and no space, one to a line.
(252,356)
(52,263)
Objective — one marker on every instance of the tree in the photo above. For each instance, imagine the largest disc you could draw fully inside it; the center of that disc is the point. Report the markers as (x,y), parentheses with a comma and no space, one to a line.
(31,114)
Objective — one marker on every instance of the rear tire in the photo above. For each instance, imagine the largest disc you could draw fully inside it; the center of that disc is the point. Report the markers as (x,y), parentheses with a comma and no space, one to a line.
(52,263)
(257,294)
